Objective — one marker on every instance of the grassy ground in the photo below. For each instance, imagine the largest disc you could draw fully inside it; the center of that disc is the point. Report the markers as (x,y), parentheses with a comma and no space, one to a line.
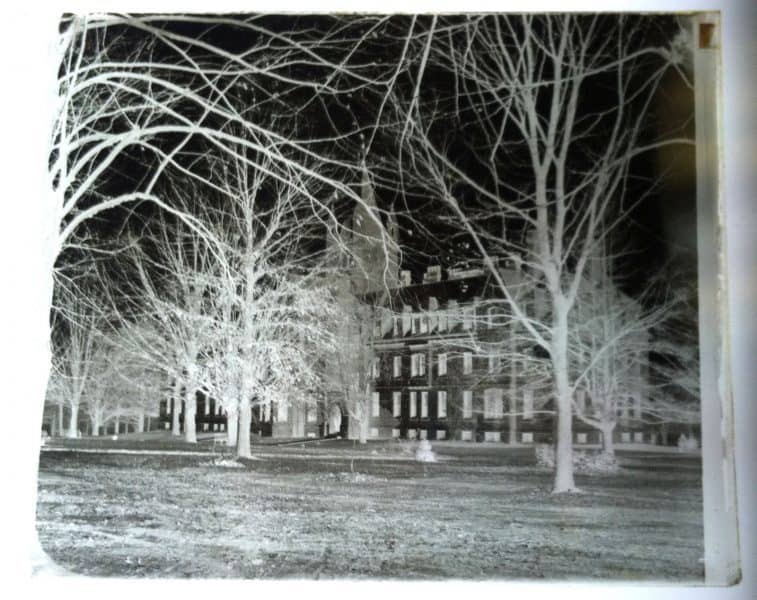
(337,510)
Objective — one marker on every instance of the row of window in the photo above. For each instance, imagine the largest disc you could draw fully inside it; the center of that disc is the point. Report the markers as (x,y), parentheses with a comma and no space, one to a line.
(493,404)
(418,364)
(526,437)
(432,321)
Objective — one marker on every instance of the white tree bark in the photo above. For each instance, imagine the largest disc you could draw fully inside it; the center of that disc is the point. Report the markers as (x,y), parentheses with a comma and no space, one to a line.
(190,411)
(245,420)
(73,420)
(176,408)
(564,399)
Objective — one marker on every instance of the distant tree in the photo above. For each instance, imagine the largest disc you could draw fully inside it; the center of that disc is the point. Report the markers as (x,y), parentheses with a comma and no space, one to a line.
(77,340)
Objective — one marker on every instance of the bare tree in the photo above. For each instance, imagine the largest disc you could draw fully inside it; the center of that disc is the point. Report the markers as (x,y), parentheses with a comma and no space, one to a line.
(137,94)
(77,326)
(271,299)
(544,154)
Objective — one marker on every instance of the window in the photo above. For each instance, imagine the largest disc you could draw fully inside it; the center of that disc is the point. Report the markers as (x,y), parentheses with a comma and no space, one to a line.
(443,321)
(467,363)
(312,415)
(493,403)
(267,412)
(581,438)
(452,315)
(441,406)
(466,436)
(411,434)
(417,365)
(467,404)
(625,437)
(397,366)
(528,404)
(468,313)
(206,406)
(624,408)
(395,433)
(493,363)
(374,432)
(424,405)
(638,437)
(636,406)
(442,361)
(396,327)
(377,328)
(424,434)
(396,404)
(441,434)
(375,367)
(406,321)
(415,326)
(281,412)
(375,406)
(492,436)
(413,405)
(527,437)
(423,324)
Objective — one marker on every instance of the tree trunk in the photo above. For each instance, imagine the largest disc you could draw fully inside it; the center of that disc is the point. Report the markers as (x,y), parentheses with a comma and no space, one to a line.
(190,408)
(73,421)
(512,419)
(564,444)
(117,425)
(175,404)
(608,446)
(232,431)
(60,420)
(363,438)
(141,423)
(96,425)
(245,418)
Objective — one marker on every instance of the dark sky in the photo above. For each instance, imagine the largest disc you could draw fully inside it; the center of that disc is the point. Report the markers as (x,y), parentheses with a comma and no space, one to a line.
(662,228)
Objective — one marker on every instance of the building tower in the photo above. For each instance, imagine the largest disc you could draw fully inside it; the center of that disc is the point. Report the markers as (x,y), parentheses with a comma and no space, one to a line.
(375,248)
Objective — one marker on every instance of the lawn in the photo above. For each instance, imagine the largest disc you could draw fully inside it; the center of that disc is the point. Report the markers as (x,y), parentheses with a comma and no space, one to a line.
(339,511)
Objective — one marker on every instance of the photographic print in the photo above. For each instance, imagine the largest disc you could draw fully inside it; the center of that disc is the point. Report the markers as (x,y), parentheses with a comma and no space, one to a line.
(406,297)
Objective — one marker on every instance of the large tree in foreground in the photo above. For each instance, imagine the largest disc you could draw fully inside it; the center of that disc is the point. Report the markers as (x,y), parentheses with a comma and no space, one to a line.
(549,112)
(139,97)
(268,296)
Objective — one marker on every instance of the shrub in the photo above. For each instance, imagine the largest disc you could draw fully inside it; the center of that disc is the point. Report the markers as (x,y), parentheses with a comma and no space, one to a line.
(424,453)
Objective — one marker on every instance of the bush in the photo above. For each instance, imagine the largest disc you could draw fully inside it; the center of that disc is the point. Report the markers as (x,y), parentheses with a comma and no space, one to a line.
(584,461)
(687,443)
(424,453)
